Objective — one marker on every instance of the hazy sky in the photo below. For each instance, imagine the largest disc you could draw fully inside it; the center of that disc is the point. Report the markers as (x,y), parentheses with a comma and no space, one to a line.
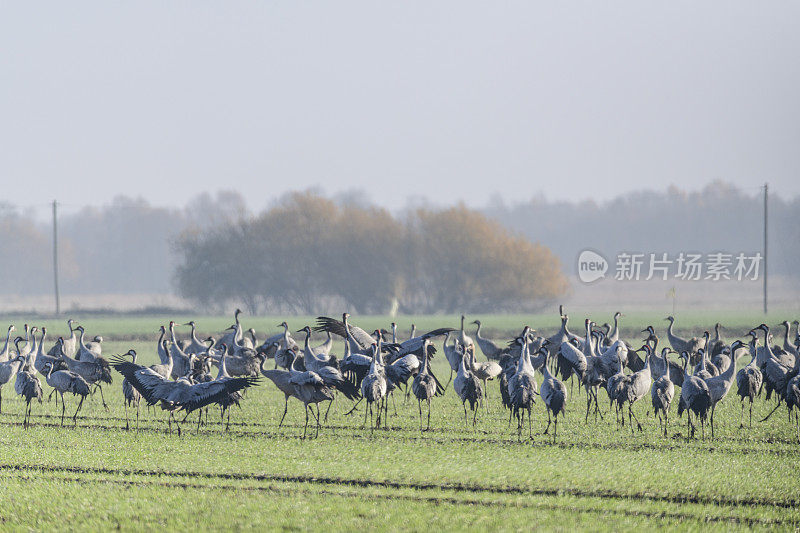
(448,100)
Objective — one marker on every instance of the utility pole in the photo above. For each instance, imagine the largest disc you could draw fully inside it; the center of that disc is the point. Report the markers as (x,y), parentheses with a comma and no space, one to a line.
(766,188)
(55,256)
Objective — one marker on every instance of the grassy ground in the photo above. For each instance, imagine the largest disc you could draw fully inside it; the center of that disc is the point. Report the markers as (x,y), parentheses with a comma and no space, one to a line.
(454,477)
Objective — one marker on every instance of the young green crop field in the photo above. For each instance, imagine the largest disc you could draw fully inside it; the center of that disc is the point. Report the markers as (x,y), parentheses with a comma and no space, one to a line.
(95,474)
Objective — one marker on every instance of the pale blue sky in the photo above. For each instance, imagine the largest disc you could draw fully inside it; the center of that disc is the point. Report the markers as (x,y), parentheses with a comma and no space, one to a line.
(447,100)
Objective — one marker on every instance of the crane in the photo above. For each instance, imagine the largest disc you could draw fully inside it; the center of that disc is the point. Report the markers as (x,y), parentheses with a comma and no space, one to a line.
(469,389)
(554,396)
(522,387)
(65,381)
(748,382)
(718,386)
(424,385)
(28,386)
(130,396)
(695,398)
(489,348)
(662,392)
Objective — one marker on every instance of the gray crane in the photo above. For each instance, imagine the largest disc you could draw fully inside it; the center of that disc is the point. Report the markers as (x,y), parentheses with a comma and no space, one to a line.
(522,387)
(469,389)
(374,386)
(705,368)
(181,363)
(65,381)
(613,334)
(94,372)
(662,392)
(695,398)
(8,371)
(235,336)
(424,386)
(69,344)
(718,386)
(462,337)
(554,396)
(28,386)
(636,387)
(787,344)
(85,351)
(484,371)
(793,399)
(615,387)
(748,382)
(38,358)
(310,389)
(195,345)
(130,396)
(283,380)
(682,345)
(179,395)
(487,346)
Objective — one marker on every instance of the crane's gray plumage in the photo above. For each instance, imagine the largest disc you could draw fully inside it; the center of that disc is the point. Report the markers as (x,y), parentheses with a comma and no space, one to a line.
(695,398)
(662,392)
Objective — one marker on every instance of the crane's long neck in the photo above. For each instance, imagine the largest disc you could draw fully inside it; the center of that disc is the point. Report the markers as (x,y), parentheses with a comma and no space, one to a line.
(8,338)
(195,340)
(80,339)
(666,366)
(223,369)
(669,329)
(40,351)
(615,333)
(170,362)
(33,343)
(478,332)
(394,333)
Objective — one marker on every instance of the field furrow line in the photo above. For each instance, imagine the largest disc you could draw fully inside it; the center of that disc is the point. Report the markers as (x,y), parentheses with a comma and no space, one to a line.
(454,487)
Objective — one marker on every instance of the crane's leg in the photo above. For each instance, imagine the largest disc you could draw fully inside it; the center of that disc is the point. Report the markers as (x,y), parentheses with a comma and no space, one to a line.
(1,399)
(530,424)
(318,419)
(75,416)
(741,418)
(548,423)
(688,423)
(285,408)
(464,405)
(555,428)
(328,409)
(102,398)
(355,405)
(127,427)
(419,404)
(429,416)
(62,408)
(751,413)
(178,425)
(449,380)
(712,421)
(306,426)
(137,415)
(588,404)
(638,424)
(474,414)
(365,415)
(394,406)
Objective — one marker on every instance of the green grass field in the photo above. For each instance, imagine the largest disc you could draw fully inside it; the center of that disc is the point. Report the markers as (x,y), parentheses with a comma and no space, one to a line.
(259,476)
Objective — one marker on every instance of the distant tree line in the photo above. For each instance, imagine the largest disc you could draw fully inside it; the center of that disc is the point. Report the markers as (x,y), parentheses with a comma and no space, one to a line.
(309,253)
(132,246)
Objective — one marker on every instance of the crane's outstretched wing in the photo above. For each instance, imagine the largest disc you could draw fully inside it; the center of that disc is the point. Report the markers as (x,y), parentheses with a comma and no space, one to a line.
(202,394)
(336,327)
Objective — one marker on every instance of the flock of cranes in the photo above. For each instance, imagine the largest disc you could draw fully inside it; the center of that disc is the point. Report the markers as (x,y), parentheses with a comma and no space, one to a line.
(374,366)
